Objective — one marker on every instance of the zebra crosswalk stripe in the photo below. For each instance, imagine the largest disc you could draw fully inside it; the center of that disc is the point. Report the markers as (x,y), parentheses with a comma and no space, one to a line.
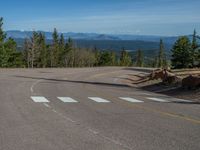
(39,99)
(157,99)
(132,100)
(99,100)
(67,99)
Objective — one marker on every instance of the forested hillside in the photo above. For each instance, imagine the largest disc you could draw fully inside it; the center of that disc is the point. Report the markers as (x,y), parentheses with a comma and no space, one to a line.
(38,51)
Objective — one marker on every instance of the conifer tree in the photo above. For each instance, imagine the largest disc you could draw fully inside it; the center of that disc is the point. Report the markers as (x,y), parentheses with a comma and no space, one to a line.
(194,50)
(42,61)
(27,53)
(2,49)
(2,33)
(9,57)
(139,58)
(162,62)
(69,53)
(55,49)
(125,59)
(61,51)
(181,53)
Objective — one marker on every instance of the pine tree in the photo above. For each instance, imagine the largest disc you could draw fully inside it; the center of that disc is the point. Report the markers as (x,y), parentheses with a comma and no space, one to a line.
(181,53)
(162,62)
(113,58)
(69,53)
(2,33)
(194,50)
(139,58)
(97,56)
(27,53)
(125,59)
(10,47)
(2,49)
(42,61)
(55,49)
(61,51)
(106,58)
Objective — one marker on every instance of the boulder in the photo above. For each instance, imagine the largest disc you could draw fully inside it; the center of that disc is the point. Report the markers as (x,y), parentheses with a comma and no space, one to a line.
(191,82)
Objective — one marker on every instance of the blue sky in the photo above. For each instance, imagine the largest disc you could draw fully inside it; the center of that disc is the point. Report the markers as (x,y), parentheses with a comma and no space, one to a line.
(143,17)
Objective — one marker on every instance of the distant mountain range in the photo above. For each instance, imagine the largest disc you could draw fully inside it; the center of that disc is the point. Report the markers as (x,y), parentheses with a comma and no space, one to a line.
(95,36)
(103,41)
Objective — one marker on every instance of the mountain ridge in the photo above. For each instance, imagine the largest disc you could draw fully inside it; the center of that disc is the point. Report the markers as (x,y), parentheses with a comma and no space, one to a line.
(95,36)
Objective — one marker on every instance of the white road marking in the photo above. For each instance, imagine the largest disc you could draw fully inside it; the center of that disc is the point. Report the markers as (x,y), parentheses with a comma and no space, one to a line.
(99,100)
(34,84)
(157,99)
(131,100)
(39,99)
(67,100)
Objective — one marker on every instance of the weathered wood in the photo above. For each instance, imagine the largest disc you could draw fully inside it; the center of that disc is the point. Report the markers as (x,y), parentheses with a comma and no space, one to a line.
(166,76)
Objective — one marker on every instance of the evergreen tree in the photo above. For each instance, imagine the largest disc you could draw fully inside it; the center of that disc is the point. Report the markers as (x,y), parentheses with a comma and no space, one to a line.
(62,51)
(198,57)
(181,53)
(2,33)
(106,58)
(162,62)
(194,50)
(113,58)
(125,59)
(55,49)
(9,57)
(139,58)
(97,56)
(69,53)
(14,57)
(42,61)
(10,47)
(2,49)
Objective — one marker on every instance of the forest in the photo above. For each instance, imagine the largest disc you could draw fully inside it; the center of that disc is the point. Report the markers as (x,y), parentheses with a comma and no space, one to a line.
(61,52)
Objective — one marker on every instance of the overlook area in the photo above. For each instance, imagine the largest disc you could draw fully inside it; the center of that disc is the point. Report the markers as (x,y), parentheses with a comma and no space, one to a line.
(100,75)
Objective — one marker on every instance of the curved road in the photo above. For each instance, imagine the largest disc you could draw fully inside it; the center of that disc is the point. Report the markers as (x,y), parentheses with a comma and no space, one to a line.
(91,109)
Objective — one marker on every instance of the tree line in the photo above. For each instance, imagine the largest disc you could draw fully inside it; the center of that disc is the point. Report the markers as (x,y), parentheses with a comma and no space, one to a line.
(186,53)
(36,53)
(61,52)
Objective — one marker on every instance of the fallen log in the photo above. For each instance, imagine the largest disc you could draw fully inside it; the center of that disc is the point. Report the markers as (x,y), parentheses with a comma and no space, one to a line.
(165,75)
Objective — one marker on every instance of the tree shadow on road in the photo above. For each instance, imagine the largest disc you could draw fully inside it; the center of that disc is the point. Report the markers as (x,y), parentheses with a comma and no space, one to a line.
(179,102)
(77,81)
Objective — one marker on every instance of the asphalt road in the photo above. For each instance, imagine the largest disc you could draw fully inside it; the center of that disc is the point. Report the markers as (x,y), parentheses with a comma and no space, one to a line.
(91,109)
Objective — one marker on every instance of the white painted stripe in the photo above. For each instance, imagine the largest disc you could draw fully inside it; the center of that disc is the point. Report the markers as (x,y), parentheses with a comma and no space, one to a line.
(99,100)
(39,99)
(157,99)
(131,100)
(67,100)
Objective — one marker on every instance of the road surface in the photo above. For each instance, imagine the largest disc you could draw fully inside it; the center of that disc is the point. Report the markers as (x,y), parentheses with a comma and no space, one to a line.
(91,109)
